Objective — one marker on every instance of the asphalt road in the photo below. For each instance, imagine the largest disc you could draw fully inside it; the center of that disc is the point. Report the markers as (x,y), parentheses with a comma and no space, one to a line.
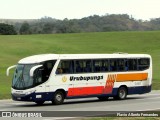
(145,102)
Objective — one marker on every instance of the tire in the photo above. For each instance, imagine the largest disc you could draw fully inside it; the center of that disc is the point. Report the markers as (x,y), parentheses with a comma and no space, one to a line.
(39,102)
(103,98)
(122,93)
(58,98)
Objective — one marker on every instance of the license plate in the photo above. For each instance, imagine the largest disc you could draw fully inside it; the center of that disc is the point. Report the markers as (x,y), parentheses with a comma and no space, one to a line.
(18,98)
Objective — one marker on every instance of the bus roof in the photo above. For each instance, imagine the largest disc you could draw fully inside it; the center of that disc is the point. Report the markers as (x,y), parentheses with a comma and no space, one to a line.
(45,57)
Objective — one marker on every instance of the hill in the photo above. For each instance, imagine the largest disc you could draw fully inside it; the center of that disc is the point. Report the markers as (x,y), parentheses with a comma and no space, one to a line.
(95,23)
(16,47)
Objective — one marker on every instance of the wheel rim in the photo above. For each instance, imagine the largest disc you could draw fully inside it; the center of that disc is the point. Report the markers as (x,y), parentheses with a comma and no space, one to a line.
(59,97)
(122,94)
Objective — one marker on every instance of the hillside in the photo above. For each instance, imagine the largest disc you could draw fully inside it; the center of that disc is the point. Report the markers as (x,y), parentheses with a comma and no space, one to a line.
(95,23)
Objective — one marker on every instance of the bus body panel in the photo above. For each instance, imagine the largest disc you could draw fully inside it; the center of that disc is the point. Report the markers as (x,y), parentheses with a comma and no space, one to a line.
(88,84)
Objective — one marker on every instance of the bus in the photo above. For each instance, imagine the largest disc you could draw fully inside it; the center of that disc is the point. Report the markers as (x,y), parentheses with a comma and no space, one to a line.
(55,77)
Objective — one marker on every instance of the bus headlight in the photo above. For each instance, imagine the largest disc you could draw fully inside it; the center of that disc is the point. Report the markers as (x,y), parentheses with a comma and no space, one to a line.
(29,92)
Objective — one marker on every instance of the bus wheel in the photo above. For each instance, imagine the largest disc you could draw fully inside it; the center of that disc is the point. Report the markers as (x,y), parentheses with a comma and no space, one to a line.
(122,93)
(58,98)
(39,102)
(103,98)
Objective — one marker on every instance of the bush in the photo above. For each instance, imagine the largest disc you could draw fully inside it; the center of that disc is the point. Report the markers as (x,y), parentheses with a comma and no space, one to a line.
(6,29)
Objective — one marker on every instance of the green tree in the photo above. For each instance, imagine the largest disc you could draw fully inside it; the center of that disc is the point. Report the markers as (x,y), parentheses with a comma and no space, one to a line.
(6,29)
(25,28)
(48,28)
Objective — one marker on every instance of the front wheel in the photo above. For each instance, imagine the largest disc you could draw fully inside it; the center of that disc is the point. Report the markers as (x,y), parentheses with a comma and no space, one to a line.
(58,98)
(122,93)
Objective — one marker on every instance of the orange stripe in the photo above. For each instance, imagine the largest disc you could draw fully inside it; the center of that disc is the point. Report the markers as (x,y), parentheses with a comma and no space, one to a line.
(109,84)
(132,77)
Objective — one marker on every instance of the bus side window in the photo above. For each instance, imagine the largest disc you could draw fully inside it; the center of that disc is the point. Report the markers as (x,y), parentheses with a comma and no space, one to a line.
(97,65)
(46,70)
(126,65)
(83,66)
(143,63)
(87,66)
(100,65)
(113,65)
(59,71)
(65,67)
(104,66)
(78,66)
(132,64)
(120,64)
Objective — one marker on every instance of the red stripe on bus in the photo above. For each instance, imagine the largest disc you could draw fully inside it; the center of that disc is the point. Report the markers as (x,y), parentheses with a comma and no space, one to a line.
(83,91)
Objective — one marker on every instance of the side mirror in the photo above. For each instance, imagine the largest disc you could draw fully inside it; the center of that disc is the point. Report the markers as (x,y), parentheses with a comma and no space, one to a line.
(33,69)
(8,69)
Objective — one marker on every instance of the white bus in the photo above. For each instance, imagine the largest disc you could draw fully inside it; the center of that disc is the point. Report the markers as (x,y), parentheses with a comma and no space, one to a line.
(55,77)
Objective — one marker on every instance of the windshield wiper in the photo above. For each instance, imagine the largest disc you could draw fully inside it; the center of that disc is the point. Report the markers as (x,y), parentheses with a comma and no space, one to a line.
(20,82)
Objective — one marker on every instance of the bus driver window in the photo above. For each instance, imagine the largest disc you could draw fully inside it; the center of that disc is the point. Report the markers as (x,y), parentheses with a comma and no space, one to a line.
(59,71)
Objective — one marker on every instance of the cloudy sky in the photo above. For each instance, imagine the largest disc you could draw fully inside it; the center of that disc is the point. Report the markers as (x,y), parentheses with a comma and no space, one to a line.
(60,9)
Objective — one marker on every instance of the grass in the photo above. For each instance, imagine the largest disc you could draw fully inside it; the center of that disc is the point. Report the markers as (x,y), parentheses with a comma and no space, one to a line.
(16,47)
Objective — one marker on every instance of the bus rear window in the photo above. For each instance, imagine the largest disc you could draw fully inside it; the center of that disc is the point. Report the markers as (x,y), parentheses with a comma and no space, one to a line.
(143,63)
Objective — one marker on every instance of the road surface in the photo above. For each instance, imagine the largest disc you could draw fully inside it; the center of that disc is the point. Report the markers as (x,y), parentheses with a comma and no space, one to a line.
(145,102)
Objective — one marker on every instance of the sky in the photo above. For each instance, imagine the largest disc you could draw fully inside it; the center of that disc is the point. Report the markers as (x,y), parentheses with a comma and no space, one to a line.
(76,9)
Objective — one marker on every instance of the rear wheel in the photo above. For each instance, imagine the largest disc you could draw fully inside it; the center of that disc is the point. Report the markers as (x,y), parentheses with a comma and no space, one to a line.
(58,98)
(103,98)
(122,93)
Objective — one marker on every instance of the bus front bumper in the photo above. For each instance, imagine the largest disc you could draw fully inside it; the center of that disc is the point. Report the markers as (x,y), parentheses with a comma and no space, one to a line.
(33,97)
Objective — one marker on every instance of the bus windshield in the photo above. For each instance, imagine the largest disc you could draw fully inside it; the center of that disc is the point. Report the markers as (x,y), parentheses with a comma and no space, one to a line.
(21,79)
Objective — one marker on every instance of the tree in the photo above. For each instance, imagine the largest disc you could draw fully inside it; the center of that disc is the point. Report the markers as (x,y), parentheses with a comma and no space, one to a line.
(6,29)
(25,28)
(48,28)
(95,23)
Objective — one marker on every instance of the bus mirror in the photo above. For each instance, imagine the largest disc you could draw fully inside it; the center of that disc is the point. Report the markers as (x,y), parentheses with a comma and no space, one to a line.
(8,69)
(33,69)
